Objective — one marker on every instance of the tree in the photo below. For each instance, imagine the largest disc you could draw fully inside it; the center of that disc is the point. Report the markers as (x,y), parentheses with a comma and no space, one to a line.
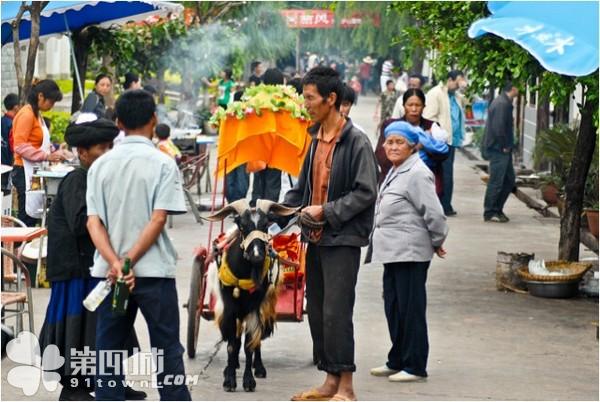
(490,60)
(35,11)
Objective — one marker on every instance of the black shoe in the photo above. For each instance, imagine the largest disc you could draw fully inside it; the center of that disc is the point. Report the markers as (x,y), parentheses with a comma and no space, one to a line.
(450,213)
(503,217)
(75,394)
(496,219)
(133,395)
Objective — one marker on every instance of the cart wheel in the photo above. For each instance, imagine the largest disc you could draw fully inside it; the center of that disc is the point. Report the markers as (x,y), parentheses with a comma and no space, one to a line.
(195,305)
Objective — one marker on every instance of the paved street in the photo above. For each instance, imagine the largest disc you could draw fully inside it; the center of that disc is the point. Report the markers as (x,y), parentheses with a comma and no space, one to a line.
(485,344)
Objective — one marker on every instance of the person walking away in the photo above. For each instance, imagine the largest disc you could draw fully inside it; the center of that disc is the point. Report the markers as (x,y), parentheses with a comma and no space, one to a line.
(498,143)
(267,182)
(445,105)
(70,255)
(385,104)
(338,186)
(131,190)
(94,102)
(11,106)
(165,144)
(32,146)
(410,227)
(386,72)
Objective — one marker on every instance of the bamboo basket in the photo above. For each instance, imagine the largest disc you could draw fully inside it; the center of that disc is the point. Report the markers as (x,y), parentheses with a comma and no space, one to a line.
(577,269)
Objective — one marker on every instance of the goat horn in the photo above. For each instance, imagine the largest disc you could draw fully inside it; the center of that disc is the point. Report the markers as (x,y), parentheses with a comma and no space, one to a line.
(238,207)
(271,206)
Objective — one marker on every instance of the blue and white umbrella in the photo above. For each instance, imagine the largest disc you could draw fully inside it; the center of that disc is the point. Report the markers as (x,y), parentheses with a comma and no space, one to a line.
(64,16)
(561,35)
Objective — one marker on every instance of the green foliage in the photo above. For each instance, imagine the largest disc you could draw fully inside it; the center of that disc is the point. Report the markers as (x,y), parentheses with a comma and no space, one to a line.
(59,122)
(66,86)
(555,146)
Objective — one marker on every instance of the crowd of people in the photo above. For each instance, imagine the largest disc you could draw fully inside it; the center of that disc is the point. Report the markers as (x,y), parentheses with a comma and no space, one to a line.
(393,198)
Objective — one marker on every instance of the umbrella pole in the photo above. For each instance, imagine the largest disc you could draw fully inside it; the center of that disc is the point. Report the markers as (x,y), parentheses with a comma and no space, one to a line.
(74,59)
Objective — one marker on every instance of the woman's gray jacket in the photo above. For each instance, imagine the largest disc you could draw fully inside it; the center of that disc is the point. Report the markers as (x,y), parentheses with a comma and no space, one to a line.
(409,219)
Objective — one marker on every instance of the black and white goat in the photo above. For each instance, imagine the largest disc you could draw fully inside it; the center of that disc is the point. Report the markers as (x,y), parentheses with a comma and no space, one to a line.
(245,292)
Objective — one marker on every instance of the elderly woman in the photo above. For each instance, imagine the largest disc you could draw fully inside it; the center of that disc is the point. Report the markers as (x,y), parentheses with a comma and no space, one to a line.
(409,228)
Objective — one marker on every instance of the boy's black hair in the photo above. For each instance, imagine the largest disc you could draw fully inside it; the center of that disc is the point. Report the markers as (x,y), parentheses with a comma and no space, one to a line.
(10,101)
(228,73)
(327,81)
(135,108)
(388,82)
(162,131)
(49,90)
(273,76)
(349,95)
(454,74)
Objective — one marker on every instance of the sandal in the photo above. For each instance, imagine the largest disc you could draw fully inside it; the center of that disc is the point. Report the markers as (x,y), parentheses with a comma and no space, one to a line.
(339,397)
(311,395)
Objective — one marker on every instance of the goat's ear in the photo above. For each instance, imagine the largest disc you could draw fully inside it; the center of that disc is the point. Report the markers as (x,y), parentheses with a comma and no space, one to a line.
(237,207)
(268,206)
(220,214)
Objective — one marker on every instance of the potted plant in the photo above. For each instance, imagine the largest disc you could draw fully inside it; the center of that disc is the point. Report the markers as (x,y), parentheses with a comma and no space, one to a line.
(590,197)
(554,150)
(551,187)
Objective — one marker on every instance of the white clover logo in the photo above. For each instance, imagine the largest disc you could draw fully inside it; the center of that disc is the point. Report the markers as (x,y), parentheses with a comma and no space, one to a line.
(25,350)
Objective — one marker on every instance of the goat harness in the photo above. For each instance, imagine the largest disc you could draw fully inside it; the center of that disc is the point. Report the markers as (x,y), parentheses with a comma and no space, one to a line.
(228,278)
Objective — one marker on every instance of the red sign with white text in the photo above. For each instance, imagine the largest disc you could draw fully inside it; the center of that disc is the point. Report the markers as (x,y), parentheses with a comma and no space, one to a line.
(309,18)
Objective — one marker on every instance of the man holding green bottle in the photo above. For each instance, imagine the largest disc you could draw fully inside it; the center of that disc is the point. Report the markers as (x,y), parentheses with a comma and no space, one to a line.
(131,190)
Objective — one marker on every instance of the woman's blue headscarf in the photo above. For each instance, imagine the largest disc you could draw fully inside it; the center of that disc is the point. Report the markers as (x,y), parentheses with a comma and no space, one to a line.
(404,129)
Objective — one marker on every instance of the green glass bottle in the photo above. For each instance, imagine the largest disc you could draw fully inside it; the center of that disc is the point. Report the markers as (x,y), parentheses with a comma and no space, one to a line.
(121,292)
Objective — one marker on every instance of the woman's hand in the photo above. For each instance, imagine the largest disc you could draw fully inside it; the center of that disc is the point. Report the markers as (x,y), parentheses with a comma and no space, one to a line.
(56,157)
(441,252)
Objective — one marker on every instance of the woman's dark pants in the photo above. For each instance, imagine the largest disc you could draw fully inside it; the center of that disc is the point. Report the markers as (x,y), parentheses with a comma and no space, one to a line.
(18,180)
(405,302)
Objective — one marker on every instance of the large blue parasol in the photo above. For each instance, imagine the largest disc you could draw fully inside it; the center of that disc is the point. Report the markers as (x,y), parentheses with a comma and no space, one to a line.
(64,16)
(561,35)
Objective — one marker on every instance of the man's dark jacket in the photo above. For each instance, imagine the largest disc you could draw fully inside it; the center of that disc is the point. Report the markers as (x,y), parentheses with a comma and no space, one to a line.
(499,132)
(352,189)
(70,247)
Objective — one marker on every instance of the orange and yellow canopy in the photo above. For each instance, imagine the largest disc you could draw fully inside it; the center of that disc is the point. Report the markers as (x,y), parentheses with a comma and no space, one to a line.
(275,139)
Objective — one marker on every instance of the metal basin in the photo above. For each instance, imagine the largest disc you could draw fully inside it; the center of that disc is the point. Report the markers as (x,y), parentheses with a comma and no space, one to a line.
(554,290)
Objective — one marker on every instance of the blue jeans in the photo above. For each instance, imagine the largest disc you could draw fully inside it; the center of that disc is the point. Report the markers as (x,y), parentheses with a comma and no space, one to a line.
(500,183)
(157,300)
(405,301)
(238,182)
(448,180)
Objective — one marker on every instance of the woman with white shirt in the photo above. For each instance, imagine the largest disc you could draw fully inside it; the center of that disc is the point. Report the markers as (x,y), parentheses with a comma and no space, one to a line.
(409,228)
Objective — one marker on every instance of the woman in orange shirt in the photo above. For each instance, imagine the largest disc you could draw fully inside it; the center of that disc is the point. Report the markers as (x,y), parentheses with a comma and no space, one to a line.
(32,140)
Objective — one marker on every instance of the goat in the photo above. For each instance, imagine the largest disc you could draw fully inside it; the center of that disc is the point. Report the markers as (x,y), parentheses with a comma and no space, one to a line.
(245,292)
